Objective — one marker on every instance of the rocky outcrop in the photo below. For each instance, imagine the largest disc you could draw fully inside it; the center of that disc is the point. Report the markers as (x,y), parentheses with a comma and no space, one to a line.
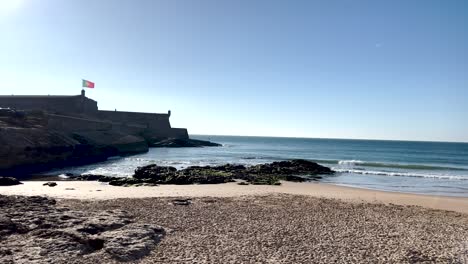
(182,143)
(8,181)
(36,230)
(30,144)
(267,174)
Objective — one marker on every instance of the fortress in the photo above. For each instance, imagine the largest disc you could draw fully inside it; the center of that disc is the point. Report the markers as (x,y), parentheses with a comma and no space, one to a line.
(38,133)
(78,113)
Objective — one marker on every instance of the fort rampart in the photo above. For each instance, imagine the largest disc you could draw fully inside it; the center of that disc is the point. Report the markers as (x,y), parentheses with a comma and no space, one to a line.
(79,113)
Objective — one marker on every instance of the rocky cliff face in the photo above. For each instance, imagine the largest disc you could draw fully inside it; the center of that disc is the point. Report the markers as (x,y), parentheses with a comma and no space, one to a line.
(27,145)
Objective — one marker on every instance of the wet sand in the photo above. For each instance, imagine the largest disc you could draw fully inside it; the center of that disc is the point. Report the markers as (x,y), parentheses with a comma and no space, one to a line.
(102,191)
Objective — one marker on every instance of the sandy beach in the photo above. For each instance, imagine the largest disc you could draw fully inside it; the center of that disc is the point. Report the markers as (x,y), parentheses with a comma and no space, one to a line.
(231,223)
(93,190)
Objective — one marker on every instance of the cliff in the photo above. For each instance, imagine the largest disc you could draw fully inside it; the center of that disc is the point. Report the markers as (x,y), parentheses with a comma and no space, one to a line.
(34,141)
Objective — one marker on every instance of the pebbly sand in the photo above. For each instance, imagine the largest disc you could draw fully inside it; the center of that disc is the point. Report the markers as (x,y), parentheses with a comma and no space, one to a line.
(284,228)
(230,223)
(96,190)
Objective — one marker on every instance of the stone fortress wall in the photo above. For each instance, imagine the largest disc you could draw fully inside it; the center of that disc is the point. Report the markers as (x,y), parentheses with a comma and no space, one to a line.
(79,113)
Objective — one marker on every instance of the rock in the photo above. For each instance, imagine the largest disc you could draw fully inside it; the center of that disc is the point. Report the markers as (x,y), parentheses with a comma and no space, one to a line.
(50,184)
(291,167)
(9,181)
(7,227)
(133,242)
(29,144)
(154,172)
(182,143)
(169,175)
(36,230)
(124,182)
(182,201)
(263,174)
(93,177)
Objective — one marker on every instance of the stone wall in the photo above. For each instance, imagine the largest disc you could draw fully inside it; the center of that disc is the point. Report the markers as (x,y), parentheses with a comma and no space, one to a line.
(79,113)
(158,125)
(54,104)
(151,120)
(70,124)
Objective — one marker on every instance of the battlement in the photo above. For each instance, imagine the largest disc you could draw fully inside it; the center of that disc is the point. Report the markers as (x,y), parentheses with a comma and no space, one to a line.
(61,104)
(66,109)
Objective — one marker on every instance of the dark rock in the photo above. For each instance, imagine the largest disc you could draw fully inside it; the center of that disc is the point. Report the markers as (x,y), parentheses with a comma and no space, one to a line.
(292,167)
(124,181)
(30,145)
(183,143)
(182,201)
(9,181)
(7,226)
(263,174)
(50,184)
(269,174)
(88,177)
(155,172)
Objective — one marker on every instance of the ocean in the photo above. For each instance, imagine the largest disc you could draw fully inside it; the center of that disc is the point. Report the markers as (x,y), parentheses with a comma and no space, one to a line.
(438,168)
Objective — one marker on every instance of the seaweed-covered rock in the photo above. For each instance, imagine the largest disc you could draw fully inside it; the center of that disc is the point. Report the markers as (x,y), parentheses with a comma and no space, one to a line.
(271,173)
(124,181)
(291,167)
(191,175)
(154,172)
(92,177)
(263,174)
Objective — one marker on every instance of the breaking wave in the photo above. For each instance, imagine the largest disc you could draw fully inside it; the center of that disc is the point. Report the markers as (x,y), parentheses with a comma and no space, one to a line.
(389,165)
(404,174)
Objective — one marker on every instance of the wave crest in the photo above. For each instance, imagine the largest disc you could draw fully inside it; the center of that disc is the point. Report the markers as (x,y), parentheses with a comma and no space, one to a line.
(404,174)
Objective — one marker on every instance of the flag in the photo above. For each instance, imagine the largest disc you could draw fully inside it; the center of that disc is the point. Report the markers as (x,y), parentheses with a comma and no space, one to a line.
(88,84)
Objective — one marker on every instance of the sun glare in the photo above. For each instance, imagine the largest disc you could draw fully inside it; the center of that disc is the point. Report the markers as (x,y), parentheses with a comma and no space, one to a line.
(9,5)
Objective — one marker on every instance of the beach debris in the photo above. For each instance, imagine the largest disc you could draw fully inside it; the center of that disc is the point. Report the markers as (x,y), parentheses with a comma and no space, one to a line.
(60,234)
(50,184)
(9,181)
(182,201)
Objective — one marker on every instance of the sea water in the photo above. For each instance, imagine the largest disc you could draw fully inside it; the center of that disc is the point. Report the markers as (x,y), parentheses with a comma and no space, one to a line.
(439,168)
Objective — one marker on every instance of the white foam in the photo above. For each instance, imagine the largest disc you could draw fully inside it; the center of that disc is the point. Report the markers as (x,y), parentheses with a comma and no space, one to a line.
(404,174)
(350,162)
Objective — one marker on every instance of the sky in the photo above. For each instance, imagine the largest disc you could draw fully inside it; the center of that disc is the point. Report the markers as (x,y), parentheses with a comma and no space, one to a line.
(330,69)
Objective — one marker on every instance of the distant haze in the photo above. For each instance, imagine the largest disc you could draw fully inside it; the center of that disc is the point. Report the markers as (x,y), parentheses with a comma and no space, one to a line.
(334,69)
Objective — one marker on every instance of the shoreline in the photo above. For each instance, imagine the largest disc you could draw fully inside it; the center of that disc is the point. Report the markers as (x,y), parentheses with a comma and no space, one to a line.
(92,190)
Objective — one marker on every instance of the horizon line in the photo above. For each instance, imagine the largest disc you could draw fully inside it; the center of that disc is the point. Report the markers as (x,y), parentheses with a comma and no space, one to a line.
(363,139)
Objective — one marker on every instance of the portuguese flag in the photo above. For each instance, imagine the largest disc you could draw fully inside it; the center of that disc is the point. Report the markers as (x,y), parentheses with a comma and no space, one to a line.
(88,84)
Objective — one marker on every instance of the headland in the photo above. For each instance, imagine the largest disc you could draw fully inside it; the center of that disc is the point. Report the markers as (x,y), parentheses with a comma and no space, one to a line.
(42,132)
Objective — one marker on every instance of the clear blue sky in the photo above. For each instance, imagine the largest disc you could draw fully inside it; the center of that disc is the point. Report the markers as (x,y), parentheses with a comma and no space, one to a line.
(347,69)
